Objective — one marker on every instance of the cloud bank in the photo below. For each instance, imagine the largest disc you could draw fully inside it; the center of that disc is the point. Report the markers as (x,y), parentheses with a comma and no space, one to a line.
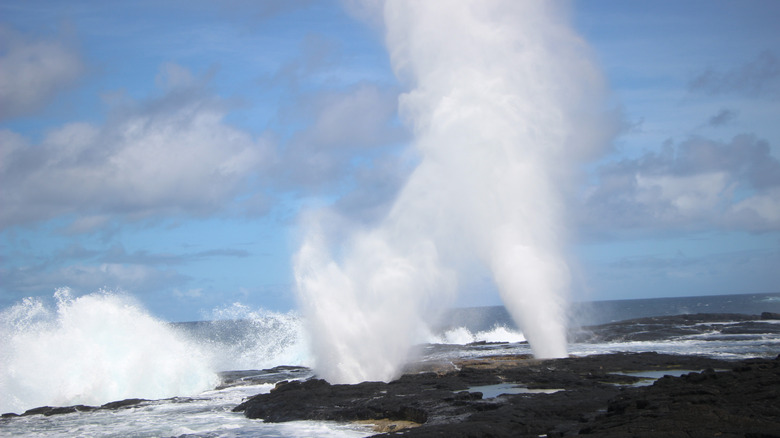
(172,155)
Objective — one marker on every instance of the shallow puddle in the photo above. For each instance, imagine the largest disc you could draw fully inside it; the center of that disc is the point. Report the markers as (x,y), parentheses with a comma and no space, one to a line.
(493,391)
(649,377)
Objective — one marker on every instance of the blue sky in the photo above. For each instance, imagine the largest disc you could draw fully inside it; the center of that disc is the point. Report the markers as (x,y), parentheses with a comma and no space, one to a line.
(166,149)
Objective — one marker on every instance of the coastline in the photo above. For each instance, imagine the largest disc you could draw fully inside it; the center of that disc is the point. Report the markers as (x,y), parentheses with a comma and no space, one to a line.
(601,395)
(457,390)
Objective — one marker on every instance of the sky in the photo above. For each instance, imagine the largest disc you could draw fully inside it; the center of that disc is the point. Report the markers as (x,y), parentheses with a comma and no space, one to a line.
(167,149)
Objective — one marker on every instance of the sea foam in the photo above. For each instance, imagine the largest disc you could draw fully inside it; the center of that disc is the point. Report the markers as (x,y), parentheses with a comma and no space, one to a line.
(92,350)
(239,337)
(463,336)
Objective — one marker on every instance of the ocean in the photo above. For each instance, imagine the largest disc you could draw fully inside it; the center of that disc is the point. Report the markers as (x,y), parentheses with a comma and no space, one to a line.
(101,348)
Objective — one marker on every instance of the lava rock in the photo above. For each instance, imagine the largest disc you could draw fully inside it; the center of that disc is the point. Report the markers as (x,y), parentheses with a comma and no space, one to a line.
(594,398)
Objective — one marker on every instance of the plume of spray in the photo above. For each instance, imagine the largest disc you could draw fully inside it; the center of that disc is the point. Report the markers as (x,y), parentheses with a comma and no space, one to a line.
(94,349)
(503,102)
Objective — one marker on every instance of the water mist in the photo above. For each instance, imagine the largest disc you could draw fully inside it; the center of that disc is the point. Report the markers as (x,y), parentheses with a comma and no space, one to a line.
(93,349)
(501,106)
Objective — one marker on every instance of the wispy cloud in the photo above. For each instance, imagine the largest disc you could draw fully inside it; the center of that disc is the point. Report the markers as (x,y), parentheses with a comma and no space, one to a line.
(345,125)
(697,183)
(21,281)
(89,269)
(260,10)
(171,155)
(759,77)
(118,254)
(723,117)
(33,71)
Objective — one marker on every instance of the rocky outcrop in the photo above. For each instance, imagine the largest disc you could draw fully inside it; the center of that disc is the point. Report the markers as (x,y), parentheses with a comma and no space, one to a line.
(595,398)
(49,410)
(743,402)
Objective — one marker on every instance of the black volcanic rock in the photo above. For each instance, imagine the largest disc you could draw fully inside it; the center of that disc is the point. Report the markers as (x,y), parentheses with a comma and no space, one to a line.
(742,402)
(49,410)
(595,398)
(410,399)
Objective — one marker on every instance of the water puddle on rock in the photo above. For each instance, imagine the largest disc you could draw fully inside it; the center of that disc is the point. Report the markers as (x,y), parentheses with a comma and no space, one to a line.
(493,391)
(649,377)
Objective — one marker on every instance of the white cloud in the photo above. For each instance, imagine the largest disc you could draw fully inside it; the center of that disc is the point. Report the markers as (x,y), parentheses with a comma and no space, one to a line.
(85,224)
(376,186)
(10,143)
(344,125)
(32,72)
(357,118)
(171,156)
(88,278)
(684,197)
(698,183)
(762,209)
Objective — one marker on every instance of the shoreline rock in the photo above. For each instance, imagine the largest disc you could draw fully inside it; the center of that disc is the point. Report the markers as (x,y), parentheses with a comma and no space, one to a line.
(596,398)
(599,395)
(48,411)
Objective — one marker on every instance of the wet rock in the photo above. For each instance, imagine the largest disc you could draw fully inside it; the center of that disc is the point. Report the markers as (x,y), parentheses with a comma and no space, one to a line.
(741,402)
(48,410)
(257,377)
(58,410)
(596,398)
(407,399)
(127,403)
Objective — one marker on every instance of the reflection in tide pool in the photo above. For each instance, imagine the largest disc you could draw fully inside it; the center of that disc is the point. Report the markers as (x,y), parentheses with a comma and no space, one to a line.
(493,391)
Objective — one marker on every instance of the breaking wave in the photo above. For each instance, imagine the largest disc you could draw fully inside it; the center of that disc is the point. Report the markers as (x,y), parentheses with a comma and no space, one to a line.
(92,350)
(463,336)
(241,338)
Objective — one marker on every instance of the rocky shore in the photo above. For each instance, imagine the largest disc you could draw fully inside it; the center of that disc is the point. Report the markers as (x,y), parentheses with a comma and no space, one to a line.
(609,395)
(614,395)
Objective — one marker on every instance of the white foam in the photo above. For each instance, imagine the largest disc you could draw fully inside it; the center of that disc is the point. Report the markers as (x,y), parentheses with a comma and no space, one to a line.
(463,336)
(208,414)
(267,339)
(704,346)
(91,350)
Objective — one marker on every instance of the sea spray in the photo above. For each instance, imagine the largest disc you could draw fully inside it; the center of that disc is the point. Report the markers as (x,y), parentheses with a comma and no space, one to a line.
(364,313)
(91,350)
(504,102)
(239,337)
(463,336)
